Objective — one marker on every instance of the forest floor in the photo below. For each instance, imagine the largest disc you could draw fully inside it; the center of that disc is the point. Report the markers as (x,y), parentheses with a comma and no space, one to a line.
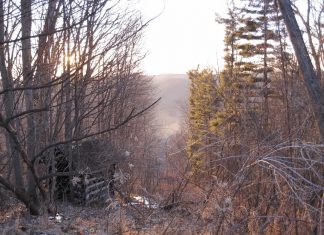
(102,219)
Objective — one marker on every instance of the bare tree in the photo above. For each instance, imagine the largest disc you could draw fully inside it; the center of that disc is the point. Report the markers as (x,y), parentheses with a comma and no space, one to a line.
(76,76)
(305,63)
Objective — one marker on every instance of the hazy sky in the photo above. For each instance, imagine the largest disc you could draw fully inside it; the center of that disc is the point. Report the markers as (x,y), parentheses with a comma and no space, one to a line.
(183,36)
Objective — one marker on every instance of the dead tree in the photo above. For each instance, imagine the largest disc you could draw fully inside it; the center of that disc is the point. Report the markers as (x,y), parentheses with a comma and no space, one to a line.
(305,63)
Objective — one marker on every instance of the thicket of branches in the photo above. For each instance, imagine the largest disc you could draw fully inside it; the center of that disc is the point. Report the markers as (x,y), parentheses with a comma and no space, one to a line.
(250,159)
(69,71)
(255,147)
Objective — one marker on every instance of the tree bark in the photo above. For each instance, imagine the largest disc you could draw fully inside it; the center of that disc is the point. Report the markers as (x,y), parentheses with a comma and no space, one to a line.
(9,97)
(26,18)
(32,205)
(305,63)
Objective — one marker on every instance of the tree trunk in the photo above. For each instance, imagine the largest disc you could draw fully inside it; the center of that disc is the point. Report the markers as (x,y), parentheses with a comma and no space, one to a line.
(32,204)
(7,84)
(265,119)
(306,66)
(26,18)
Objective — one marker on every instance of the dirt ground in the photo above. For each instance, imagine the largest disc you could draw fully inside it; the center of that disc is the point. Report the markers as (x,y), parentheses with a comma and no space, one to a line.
(74,220)
(98,219)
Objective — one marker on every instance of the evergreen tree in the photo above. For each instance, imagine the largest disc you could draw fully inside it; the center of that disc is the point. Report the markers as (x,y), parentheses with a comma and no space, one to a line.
(201,111)
(257,40)
(229,87)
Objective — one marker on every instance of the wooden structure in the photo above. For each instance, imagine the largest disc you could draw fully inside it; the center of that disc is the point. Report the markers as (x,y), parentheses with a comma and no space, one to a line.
(90,188)
(89,185)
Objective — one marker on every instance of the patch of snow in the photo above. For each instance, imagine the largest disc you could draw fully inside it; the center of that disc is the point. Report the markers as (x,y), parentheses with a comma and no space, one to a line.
(58,218)
(141,200)
(75,180)
(86,181)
